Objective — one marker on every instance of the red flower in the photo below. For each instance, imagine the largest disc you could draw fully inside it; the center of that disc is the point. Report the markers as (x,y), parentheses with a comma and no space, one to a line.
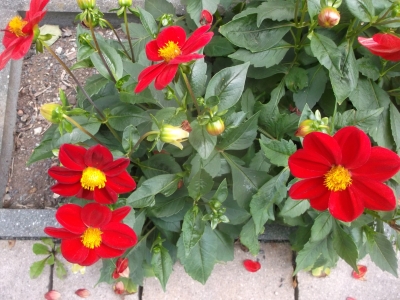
(362,270)
(384,45)
(91,174)
(121,268)
(92,232)
(19,33)
(171,48)
(343,173)
(206,17)
(251,265)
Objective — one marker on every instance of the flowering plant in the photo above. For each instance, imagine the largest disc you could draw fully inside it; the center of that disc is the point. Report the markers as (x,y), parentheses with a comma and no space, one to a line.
(198,130)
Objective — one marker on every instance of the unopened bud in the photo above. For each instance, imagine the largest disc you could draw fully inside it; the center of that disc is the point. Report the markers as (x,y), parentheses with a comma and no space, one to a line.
(166,19)
(125,3)
(83,293)
(51,111)
(215,127)
(206,17)
(328,17)
(305,128)
(85,4)
(173,135)
(52,295)
(119,288)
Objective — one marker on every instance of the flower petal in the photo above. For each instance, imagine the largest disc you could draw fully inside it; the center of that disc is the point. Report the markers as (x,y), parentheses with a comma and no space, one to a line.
(345,205)
(90,259)
(321,202)
(306,164)
(323,144)
(107,252)
(69,216)
(123,183)
(165,77)
(22,47)
(120,213)
(98,157)
(118,236)
(185,58)
(74,251)
(59,233)
(152,51)
(67,190)
(355,145)
(148,75)
(85,194)
(174,34)
(251,265)
(198,39)
(116,167)
(95,215)
(64,175)
(387,40)
(382,165)
(105,195)
(307,188)
(375,195)
(72,157)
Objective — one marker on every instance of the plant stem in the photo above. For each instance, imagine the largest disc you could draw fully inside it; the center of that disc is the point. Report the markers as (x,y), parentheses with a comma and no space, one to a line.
(265,133)
(102,117)
(69,119)
(141,140)
(387,70)
(190,90)
(128,34)
(119,40)
(101,53)
(333,118)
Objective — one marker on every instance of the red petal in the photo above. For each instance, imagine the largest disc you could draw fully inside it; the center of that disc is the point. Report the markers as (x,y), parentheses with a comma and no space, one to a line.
(98,157)
(321,202)
(85,194)
(95,215)
(105,195)
(306,164)
(22,47)
(119,236)
(323,144)
(387,40)
(91,258)
(362,270)
(123,183)
(251,265)
(59,233)
(120,213)
(69,216)
(74,251)
(165,77)
(71,156)
(107,252)
(382,165)
(380,45)
(148,75)
(308,188)
(374,195)
(5,56)
(197,44)
(174,34)
(67,190)
(356,146)
(64,175)
(345,205)
(185,58)
(197,35)
(116,167)
(152,51)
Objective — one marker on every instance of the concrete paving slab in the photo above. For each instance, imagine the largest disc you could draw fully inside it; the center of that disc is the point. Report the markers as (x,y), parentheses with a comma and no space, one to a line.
(231,281)
(103,291)
(339,284)
(15,283)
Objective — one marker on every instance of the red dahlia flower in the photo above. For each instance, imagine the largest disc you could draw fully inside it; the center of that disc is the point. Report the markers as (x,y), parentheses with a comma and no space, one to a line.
(92,232)
(384,45)
(19,33)
(343,173)
(171,48)
(91,174)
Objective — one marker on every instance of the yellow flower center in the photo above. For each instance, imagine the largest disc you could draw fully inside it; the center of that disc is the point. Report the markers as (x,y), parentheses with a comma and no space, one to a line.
(15,26)
(169,51)
(337,179)
(91,238)
(92,178)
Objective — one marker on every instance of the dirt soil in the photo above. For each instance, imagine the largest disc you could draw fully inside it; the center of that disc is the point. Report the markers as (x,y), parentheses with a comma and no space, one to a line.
(42,77)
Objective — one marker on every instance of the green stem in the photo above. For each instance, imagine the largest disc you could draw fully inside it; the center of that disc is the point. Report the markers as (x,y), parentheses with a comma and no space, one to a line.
(215,24)
(116,34)
(190,90)
(333,118)
(128,34)
(265,133)
(72,121)
(102,117)
(100,52)
(392,67)
(141,140)
(114,133)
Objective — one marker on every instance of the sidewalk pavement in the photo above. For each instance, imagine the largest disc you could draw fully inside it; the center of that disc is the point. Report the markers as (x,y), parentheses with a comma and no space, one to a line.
(229,281)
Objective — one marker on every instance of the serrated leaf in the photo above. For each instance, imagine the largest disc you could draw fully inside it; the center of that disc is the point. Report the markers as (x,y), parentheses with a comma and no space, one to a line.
(395,124)
(368,68)
(212,165)
(130,137)
(92,125)
(249,237)
(309,255)
(94,84)
(112,59)
(369,95)
(160,164)
(218,46)
(61,272)
(159,7)
(277,152)
(125,115)
(345,246)
(201,141)
(161,263)
(362,9)
(40,249)
(148,22)
(168,206)
(382,254)
(365,119)
(139,35)
(192,228)
(296,79)
(322,226)
(228,85)
(277,10)
(45,148)
(224,244)
(37,268)
(198,77)
(294,208)
(326,51)
(222,192)
(200,184)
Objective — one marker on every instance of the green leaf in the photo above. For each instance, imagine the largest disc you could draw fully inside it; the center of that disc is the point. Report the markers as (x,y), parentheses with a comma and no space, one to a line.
(94,84)
(130,137)
(37,268)
(262,203)
(266,58)
(160,164)
(200,184)
(125,115)
(61,272)
(395,124)
(198,77)
(382,254)
(249,237)
(45,148)
(245,33)
(161,263)
(345,246)
(369,95)
(148,22)
(139,35)
(92,125)
(312,93)
(169,206)
(367,67)
(144,195)
(224,244)
(40,249)
(159,7)
(48,241)
(294,208)
(365,119)
(222,192)
(296,79)
(228,85)
(192,228)
(277,152)
(362,9)
(314,7)
(212,165)
(218,46)
(53,30)
(195,7)
(276,10)
(322,226)
(309,254)
(113,60)
(241,137)
(326,51)
(201,141)
(247,102)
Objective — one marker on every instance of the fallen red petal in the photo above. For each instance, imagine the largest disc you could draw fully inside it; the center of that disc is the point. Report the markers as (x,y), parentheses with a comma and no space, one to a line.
(362,270)
(251,265)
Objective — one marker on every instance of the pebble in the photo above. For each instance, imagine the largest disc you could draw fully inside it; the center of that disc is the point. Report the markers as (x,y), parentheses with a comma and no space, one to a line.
(20,113)
(24,118)
(59,50)
(37,131)
(63,87)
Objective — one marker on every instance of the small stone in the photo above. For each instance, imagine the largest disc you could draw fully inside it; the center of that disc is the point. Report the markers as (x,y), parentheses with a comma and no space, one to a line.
(32,190)
(24,118)
(37,131)
(59,50)
(20,112)
(63,87)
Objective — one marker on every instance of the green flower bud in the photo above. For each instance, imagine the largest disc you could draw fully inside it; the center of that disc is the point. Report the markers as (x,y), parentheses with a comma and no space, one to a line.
(173,135)
(126,3)
(215,127)
(328,17)
(51,111)
(85,4)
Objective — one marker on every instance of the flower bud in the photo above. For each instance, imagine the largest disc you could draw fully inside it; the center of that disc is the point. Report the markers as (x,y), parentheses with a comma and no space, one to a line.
(49,111)
(166,19)
(305,128)
(173,135)
(215,127)
(83,293)
(206,17)
(85,4)
(308,126)
(121,268)
(119,288)
(328,17)
(52,295)
(126,3)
